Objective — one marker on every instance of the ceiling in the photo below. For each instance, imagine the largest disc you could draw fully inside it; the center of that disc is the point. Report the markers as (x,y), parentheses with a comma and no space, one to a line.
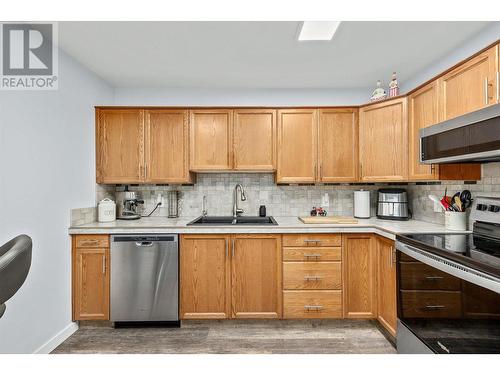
(258,54)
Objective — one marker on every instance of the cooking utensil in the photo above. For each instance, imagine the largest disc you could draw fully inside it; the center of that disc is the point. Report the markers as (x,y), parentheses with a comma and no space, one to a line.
(466,198)
(457,202)
(435,199)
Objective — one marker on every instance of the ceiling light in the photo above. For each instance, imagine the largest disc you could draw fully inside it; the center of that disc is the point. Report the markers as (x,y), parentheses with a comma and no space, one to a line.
(318,30)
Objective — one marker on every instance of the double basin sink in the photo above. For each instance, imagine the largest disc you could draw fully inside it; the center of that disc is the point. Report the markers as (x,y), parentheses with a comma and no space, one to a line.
(230,220)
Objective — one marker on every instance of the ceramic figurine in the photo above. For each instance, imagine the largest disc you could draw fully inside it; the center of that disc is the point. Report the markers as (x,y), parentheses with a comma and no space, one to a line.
(393,86)
(379,93)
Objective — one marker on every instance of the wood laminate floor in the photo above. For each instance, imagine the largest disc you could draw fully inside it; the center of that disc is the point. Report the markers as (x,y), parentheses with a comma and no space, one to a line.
(236,337)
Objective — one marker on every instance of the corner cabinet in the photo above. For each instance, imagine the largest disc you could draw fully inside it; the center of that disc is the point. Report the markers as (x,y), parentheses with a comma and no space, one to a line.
(230,276)
(386,301)
(141,146)
(297,145)
(383,141)
(90,277)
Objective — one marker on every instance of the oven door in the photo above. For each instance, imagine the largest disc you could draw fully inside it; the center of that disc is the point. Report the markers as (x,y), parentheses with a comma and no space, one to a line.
(441,313)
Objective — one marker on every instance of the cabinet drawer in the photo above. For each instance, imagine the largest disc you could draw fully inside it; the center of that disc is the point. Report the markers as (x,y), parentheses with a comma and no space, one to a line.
(312,304)
(312,275)
(419,276)
(318,254)
(95,240)
(312,240)
(435,304)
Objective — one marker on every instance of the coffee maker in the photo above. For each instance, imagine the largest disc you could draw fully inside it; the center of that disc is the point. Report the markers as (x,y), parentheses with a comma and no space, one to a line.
(126,205)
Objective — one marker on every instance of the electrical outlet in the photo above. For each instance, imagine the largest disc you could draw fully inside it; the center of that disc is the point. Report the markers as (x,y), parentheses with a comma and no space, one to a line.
(159,199)
(325,200)
(437,207)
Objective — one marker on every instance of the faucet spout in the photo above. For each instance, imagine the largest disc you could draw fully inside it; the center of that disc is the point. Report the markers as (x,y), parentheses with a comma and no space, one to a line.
(236,210)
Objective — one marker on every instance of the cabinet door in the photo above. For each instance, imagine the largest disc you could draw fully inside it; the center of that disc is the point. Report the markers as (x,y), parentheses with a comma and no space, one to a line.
(470,86)
(167,146)
(204,277)
(119,146)
(90,283)
(297,145)
(383,141)
(422,112)
(256,276)
(360,278)
(387,284)
(338,145)
(254,144)
(211,134)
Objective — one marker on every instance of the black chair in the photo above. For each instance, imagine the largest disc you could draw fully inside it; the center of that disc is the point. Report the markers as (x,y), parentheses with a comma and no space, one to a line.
(15,263)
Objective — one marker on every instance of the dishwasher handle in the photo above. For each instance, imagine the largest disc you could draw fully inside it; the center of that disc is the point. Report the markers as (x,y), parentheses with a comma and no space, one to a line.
(144,244)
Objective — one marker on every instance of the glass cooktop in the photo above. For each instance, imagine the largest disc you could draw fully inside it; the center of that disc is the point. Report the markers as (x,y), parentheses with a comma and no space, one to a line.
(476,251)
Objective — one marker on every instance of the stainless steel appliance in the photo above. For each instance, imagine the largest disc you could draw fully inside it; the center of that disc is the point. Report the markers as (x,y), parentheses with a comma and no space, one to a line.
(472,137)
(126,205)
(145,278)
(449,287)
(392,204)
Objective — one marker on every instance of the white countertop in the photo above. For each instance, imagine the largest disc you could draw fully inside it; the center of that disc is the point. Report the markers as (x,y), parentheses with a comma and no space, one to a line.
(286,224)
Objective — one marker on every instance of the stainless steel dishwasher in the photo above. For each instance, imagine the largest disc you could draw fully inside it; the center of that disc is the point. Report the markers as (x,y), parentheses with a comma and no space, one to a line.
(145,278)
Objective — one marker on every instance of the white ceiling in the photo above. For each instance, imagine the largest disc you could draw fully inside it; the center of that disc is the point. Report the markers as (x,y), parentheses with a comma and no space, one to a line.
(258,54)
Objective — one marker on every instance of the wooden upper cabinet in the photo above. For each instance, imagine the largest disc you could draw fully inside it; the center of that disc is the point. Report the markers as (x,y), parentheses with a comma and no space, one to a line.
(254,139)
(360,276)
(90,263)
(338,145)
(167,154)
(119,146)
(422,112)
(256,276)
(386,306)
(297,145)
(205,284)
(383,141)
(211,138)
(470,86)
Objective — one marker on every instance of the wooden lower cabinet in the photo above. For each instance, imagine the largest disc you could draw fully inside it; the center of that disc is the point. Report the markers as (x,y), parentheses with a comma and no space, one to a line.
(301,304)
(256,276)
(360,281)
(90,276)
(386,307)
(205,283)
(230,276)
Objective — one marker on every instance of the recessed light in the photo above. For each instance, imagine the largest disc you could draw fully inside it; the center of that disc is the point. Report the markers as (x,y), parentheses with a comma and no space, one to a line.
(318,30)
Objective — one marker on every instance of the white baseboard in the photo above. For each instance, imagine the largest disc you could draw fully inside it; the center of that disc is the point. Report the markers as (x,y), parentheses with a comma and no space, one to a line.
(58,339)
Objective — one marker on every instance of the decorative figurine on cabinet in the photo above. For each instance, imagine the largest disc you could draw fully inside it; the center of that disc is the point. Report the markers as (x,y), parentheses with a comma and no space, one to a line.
(393,86)
(379,93)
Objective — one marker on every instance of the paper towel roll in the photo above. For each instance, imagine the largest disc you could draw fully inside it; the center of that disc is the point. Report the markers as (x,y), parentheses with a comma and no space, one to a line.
(362,204)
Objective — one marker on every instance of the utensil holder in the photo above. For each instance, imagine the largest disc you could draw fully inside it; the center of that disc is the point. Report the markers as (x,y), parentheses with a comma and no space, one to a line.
(455,220)
(173,204)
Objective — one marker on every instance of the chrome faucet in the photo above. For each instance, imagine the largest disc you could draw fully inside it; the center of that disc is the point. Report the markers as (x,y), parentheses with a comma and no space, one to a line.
(236,210)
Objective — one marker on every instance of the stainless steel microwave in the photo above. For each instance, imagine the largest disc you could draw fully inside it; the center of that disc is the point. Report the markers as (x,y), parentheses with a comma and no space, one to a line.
(473,137)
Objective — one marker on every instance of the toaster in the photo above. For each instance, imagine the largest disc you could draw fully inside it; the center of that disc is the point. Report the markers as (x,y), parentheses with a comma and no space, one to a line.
(392,204)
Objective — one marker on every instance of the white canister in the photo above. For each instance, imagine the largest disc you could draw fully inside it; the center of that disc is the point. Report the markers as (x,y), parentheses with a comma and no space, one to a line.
(362,204)
(106,210)
(455,220)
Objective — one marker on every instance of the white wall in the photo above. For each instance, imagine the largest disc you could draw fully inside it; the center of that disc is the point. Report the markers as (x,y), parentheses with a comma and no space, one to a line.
(240,97)
(47,167)
(485,37)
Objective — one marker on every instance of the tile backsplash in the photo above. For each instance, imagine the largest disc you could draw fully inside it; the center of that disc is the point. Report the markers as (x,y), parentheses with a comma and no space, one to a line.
(294,200)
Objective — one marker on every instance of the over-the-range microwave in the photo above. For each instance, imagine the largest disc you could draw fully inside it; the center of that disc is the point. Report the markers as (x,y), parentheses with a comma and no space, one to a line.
(473,137)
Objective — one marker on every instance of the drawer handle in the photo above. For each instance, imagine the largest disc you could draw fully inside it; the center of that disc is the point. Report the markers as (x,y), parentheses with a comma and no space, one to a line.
(313,307)
(312,278)
(312,255)
(434,277)
(434,307)
(313,241)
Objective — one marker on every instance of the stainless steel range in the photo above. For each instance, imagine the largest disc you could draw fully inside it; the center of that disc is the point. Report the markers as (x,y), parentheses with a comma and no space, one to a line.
(449,287)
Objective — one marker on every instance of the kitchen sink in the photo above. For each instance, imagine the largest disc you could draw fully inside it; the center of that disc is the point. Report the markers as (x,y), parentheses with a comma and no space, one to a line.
(229,220)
